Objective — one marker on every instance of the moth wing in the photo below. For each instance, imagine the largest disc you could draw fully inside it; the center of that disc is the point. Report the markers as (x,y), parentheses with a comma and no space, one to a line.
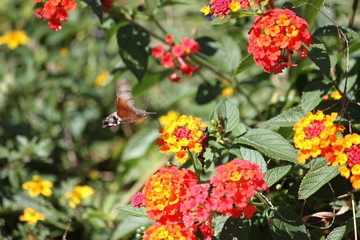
(123,91)
(125,105)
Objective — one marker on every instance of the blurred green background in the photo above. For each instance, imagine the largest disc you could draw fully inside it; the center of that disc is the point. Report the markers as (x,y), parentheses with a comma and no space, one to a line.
(51,107)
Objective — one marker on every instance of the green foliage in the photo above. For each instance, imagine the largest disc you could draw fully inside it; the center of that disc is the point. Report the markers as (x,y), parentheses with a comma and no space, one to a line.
(318,176)
(52,105)
(319,55)
(133,48)
(269,143)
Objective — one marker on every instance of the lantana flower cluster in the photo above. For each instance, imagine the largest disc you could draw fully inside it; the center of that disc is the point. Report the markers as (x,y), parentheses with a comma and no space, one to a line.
(55,11)
(177,57)
(274,38)
(182,135)
(181,206)
(317,135)
(222,8)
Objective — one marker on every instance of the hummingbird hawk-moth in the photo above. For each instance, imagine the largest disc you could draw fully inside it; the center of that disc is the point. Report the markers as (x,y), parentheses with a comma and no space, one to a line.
(126,112)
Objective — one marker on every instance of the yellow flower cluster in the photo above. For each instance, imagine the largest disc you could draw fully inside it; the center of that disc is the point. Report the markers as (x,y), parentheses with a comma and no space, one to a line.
(349,150)
(181,135)
(314,133)
(31,216)
(38,186)
(14,38)
(78,194)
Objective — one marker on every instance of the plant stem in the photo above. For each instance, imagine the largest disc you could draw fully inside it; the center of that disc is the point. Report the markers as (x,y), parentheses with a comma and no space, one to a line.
(193,162)
(353,13)
(264,200)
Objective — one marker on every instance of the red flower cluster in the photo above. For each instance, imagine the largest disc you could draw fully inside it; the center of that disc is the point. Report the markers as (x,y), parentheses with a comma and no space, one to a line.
(274,38)
(166,193)
(56,11)
(178,56)
(181,206)
(233,185)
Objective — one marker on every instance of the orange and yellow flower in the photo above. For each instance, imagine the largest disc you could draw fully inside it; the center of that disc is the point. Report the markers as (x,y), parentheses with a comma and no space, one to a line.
(349,150)
(38,186)
(181,135)
(275,36)
(315,133)
(77,195)
(169,231)
(31,216)
(164,191)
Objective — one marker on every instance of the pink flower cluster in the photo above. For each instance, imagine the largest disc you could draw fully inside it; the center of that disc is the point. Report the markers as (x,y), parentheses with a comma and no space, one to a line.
(178,203)
(177,56)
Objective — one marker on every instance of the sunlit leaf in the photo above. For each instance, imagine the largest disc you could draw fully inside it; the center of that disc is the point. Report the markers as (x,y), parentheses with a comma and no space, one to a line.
(275,174)
(287,118)
(269,143)
(133,211)
(313,94)
(318,176)
(139,144)
(249,154)
(245,63)
(229,114)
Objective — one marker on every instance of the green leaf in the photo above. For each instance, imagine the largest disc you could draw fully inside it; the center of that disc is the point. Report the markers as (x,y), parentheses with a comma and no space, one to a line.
(319,55)
(219,222)
(275,174)
(226,48)
(269,143)
(95,5)
(339,232)
(287,118)
(139,144)
(311,11)
(249,154)
(235,229)
(285,230)
(133,44)
(313,94)
(229,113)
(218,21)
(133,211)
(318,176)
(148,81)
(245,63)
(331,30)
